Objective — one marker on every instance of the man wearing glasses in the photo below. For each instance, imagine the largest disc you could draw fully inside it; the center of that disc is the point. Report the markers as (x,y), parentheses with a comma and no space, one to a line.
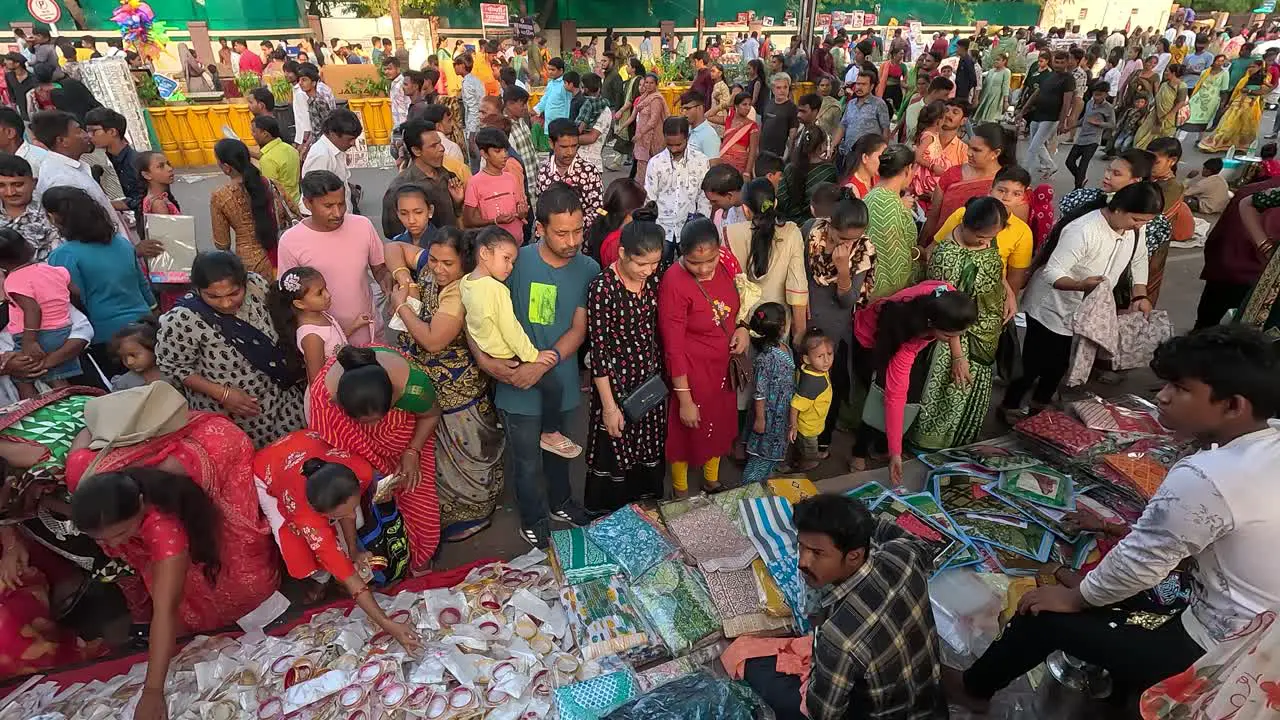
(702,135)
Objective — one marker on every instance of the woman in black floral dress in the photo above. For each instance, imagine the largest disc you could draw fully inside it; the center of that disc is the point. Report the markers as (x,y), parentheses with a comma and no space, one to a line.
(625,458)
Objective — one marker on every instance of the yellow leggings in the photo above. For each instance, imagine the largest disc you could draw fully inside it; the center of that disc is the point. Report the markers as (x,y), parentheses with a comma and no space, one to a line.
(680,474)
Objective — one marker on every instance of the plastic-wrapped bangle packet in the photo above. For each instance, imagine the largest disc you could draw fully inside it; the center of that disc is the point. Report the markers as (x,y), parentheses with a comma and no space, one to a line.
(678,606)
(631,541)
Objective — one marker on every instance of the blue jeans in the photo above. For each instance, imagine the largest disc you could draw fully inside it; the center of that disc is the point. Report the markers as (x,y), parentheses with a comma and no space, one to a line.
(1037,147)
(528,464)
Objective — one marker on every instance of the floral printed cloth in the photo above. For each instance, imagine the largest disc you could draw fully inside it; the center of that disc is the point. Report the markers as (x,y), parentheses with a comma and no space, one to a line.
(1139,335)
(711,538)
(1095,327)
(1237,680)
(606,619)
(678,605)
(631,541)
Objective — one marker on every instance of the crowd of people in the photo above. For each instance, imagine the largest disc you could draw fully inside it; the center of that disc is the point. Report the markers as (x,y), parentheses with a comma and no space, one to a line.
(774,270)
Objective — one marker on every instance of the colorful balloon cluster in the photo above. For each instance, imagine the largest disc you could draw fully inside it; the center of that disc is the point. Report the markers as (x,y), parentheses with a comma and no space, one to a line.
(138,24)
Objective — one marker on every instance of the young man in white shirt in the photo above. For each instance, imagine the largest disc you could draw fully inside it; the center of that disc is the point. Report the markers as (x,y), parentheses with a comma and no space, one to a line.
(67,141)
(1217,509)
(329,151)
(673,179)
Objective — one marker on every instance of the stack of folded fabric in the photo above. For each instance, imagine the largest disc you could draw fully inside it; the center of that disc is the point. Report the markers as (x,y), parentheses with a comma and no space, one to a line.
(580,559)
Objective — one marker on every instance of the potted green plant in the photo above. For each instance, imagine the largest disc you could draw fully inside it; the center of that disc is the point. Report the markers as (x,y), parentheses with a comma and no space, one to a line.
(246,81)
(366,87)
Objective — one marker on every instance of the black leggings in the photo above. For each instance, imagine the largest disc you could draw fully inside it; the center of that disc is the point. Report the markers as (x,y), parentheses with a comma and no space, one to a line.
(1045,357)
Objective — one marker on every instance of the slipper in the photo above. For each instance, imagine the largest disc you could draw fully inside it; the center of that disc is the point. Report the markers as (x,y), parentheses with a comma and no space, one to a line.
(566,448)
(713,488)
(476,529)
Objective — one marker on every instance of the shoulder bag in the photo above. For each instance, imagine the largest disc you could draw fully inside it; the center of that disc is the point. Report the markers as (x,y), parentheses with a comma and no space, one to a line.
(739,366)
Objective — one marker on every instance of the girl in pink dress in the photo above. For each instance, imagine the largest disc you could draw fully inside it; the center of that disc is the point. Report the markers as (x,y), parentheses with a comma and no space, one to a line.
(300,308)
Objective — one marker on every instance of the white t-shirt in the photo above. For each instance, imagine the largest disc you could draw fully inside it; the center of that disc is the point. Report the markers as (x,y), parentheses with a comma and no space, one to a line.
(1218,507)
(324,155)
(591,153)
(1087,247)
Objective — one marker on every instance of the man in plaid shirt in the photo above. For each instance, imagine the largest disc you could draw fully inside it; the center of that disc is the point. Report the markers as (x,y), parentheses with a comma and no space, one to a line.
(875,648)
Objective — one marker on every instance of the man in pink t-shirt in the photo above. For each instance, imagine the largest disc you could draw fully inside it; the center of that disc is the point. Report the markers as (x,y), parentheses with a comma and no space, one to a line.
(343,247)
(495,195)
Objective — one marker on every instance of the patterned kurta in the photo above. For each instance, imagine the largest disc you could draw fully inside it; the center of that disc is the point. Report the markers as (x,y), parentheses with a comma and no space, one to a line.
(775,383)
(892,230)
(623,330)
(187,345)
(952,414)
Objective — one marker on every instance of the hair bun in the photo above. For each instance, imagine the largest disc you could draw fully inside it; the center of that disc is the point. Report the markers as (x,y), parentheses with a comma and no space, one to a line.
(311,466)
(647,212)
(351,357)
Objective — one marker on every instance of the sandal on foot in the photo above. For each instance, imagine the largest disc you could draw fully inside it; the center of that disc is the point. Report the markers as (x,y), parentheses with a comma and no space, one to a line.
(566,448)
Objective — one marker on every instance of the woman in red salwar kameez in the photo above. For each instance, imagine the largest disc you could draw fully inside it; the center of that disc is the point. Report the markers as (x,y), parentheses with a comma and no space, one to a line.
(697,307)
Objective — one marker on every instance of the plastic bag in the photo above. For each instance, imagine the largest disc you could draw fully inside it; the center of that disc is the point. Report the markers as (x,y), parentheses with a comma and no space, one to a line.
(966,610)
(699,696)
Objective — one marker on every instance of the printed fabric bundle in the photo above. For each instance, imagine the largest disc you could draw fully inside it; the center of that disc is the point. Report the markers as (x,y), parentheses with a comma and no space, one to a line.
(1140,471)
(773,532)
(710,537)
(580,559)
(1099,414)
(606,619)
(593,699)
(699,696)
(1061,431)
(677,605)
(631,541)
(1140,335)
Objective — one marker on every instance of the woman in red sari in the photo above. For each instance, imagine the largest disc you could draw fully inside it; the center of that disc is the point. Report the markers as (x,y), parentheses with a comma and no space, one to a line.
(180,509)
(375,403)
(306,487)
(990,149)
(697,307)
(741,142)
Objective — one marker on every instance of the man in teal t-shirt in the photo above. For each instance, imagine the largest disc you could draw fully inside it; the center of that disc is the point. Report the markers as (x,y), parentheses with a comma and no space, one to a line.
(549,293)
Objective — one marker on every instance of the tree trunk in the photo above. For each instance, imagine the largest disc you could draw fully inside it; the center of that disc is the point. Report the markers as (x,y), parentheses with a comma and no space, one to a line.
(544,14)
(77,14)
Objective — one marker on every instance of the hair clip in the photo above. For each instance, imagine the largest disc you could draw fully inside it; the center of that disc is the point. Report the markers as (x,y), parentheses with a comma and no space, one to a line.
(766,205)
(291,282)
(938,291)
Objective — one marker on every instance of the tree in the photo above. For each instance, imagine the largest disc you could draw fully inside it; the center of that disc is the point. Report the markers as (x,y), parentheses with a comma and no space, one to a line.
(1231,6)
(76,11)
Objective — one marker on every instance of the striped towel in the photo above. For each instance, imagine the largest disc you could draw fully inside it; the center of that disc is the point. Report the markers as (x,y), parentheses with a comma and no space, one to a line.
(770,528)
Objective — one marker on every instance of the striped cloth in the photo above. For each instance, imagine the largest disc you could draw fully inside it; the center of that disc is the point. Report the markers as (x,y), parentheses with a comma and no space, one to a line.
(771,529)
(580,559)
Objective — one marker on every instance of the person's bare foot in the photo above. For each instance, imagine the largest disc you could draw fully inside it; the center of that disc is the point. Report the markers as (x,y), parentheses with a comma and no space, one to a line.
(857,464)
(956,693)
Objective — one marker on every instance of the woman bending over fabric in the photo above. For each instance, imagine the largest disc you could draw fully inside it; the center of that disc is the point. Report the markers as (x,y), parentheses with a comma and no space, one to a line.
(990,148)
(697,305)
(890,334)
(221,344)
(469,441)
(376,403)
(304,499)
(1127,168)
(625,453)
(953,409)
(1078,256)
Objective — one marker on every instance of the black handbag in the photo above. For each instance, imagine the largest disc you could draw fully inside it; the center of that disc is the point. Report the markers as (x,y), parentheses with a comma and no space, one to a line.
(650,394)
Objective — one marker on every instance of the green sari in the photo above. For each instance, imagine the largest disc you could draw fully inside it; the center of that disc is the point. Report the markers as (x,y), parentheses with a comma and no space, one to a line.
(1162,120)
(950,414)
(892,230)
(797,202)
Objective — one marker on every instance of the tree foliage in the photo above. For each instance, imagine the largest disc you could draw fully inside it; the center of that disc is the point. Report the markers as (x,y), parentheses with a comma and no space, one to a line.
(1231,6)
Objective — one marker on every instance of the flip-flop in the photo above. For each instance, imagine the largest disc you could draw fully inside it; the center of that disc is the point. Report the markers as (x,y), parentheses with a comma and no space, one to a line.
(567,449)
(479,527)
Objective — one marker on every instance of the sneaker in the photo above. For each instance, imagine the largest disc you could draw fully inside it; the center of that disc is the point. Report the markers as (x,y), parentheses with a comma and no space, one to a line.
(538,538)
(572,514)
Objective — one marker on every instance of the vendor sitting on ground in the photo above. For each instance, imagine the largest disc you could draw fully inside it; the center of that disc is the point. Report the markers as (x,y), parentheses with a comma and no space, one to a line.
(1216,508)
(875,649)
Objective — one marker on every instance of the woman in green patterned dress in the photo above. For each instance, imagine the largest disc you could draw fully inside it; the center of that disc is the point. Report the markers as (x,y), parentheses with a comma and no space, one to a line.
(952,413)
(469,443)
(893,227)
